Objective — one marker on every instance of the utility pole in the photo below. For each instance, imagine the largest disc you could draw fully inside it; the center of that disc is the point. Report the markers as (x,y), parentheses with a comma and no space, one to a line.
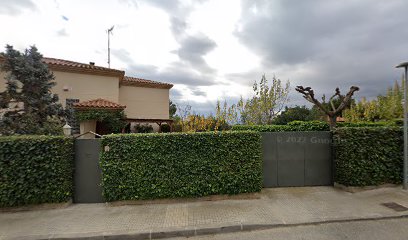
(109,33)
(405,172)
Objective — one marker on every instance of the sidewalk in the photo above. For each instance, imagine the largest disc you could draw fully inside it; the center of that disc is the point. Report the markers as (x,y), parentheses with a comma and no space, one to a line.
(276,207)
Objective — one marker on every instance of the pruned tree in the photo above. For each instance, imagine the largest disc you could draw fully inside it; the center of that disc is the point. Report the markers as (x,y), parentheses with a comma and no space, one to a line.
(333,111)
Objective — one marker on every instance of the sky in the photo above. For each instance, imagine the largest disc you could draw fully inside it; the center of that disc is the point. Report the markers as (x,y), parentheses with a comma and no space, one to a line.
(215,49)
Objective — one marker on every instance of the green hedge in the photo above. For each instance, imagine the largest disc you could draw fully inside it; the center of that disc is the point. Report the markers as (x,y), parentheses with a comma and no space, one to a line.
(368,156)
(309,126)
(368,124)
(290,127)
(35,169)
(170,165)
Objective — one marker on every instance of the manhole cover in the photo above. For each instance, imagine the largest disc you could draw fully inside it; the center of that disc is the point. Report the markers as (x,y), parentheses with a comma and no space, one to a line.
(395,206)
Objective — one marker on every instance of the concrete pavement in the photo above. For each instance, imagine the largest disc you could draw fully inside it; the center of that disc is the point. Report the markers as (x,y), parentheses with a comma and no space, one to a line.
(277,207)
(385,229)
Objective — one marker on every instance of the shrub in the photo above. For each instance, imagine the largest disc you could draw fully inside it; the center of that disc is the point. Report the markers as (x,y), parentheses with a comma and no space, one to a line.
(368,156)
(165,128)
(149,166)
(35,169)
(143,128)
(114,120)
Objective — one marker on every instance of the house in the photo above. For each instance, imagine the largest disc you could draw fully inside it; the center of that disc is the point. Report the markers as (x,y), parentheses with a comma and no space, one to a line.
(88,86)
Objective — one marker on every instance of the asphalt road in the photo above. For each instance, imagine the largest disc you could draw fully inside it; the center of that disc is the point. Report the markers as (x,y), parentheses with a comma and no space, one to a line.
(394,229)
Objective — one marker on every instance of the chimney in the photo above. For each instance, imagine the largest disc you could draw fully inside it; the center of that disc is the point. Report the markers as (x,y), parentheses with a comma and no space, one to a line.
(92,63)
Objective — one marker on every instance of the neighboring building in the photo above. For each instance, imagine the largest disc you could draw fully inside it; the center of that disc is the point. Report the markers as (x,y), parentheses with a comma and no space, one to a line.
(87,86)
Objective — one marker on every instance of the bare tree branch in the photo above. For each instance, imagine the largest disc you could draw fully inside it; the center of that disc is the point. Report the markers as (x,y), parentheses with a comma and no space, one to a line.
(308,94)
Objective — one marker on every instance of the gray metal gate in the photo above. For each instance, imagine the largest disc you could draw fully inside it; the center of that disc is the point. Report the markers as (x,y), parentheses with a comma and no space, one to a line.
(88,174)
(297,159)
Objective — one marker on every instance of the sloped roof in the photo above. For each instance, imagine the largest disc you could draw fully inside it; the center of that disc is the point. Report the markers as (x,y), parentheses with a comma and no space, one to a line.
(77,67)
(66,65)
(99,103)
(140,82)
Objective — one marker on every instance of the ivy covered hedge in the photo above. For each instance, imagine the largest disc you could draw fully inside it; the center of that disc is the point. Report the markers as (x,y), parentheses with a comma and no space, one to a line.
(367,156)
(150,166)
(290,127)
(309,126)
(113,119)
(35,169)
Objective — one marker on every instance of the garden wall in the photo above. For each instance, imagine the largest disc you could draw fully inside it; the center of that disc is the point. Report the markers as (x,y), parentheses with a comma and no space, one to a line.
(150,166)
(35,169)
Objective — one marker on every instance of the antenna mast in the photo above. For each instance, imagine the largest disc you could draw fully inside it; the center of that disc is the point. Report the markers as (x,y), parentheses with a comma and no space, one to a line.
(109,33)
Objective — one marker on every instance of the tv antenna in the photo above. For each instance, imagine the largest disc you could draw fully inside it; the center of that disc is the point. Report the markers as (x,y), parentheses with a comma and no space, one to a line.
(109,33)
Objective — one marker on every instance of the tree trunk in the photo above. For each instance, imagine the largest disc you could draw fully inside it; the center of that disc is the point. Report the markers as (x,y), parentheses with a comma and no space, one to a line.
(333,120)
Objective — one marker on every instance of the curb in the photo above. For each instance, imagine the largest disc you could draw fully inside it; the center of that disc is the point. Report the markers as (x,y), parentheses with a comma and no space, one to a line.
(202,231)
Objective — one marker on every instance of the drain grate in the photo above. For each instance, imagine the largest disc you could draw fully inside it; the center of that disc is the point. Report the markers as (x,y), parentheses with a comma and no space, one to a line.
(395,206)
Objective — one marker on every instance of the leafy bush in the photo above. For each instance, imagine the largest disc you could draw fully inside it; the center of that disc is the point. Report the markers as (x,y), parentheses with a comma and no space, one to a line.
(143,128)
(35,169)
(368,156)
(165,128)
(114,120)
(149,166)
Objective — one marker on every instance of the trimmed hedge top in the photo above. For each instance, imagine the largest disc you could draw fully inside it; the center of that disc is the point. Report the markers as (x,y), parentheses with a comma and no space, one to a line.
(35,169)
(149,166)
(308,126)
(290,127)
(368,156)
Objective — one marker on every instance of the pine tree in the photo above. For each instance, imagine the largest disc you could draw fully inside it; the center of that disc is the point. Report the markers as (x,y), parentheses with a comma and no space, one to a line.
(29,105)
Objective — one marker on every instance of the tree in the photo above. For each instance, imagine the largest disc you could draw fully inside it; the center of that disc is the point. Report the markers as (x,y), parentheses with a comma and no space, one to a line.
(29,105)
(172,109)
(384,107)
(266,103)
(297,113)
(184,112)
(333,111)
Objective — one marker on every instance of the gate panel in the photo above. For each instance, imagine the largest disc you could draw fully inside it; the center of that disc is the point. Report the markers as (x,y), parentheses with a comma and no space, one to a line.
(270,163)
(291,162)
(318,155)
(297,159)
(88,174)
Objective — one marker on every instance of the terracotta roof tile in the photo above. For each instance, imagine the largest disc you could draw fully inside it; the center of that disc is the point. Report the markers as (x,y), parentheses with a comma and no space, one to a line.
(61,63)
(99,103)
(140,82)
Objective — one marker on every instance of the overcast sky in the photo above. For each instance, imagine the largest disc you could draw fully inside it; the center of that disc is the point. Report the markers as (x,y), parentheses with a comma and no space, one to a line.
(216,49)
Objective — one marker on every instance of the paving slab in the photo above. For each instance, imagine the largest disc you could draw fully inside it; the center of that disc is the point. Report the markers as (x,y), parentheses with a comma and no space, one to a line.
(275,207)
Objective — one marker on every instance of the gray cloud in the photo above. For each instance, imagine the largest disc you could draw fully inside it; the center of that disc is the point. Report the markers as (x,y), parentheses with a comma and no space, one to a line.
(192,50)
(175,94)
(176,73)
(130,3)
(123,55)
(245,78)
(62,32)
(192,69)
(15,7)
(198,92)
(341,43)
(178,27)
